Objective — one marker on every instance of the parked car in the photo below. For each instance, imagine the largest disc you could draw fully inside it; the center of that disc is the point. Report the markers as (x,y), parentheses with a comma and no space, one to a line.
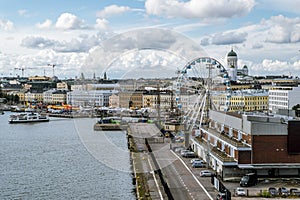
(248,180)
(178,149)
(283,191)
(273,191)
(197,160)
(294,191)
(240,192)
(189,154)
(206,173)
(198,163)
(183,151)
(221,196)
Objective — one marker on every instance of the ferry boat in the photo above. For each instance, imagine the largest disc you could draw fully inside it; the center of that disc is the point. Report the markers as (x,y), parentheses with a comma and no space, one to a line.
(110,124)
(28,118)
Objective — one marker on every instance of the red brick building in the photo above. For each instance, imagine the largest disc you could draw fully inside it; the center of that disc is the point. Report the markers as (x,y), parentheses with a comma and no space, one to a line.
(235,144)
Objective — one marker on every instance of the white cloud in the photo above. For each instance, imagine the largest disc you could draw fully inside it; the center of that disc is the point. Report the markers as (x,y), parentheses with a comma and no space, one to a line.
(199,9)
(229,38)
(275,67)
(45,25)
(68,21)
(225,38)
(37,42)
(6,25)
(22,12)
(67,64)
(124,49)
(283,29)
(112,10)
(81,43)
(102,24)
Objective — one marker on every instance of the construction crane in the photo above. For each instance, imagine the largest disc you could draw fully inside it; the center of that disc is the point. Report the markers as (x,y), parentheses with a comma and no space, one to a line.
(22,69)
(52,65)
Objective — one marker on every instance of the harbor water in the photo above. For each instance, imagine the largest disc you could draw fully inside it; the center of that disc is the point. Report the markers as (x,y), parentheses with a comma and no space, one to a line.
(63,159)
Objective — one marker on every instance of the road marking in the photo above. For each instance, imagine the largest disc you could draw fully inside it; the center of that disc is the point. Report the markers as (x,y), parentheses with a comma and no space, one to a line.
(206,192)
(156,183)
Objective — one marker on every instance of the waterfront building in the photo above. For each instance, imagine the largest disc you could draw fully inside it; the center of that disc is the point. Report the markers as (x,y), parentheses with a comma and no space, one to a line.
(33,97)
(242,100)
(162,99)
(235,144)
(283,98)
(131,99)
(55,96)
(97,98)
(114,101)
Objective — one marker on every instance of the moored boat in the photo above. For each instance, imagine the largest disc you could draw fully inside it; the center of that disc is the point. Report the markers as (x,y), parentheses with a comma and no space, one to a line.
(110,124)
(28,118)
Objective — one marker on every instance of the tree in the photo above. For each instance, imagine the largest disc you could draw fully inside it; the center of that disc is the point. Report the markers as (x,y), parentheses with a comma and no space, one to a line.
(296,108)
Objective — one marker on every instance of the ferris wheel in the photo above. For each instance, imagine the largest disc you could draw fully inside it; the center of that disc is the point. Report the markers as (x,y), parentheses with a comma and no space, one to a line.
(194,86)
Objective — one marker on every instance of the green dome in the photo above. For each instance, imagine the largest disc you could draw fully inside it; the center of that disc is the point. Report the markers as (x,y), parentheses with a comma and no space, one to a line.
(245,67)
(231,53)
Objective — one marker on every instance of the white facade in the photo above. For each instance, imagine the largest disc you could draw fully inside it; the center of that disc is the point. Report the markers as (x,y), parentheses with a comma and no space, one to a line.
(97,98)
(232,65)
(283,98)
(55,96)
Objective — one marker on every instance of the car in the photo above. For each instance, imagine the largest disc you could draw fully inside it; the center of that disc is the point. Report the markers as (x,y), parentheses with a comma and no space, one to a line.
(183,151)
(294,192)
(206,173)
(240,192)
(197,160)
(178,149)
(283,191)
(272,191)
(197,163)
(189,154)
(221,196)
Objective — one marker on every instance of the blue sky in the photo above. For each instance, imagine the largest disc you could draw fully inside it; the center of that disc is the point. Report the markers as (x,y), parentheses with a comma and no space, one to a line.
(264,33)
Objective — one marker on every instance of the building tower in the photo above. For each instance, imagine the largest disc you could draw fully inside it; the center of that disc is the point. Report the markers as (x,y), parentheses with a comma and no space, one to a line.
(232,65)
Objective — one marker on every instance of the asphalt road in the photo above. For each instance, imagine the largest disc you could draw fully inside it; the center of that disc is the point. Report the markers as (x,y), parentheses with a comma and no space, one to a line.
(184,182)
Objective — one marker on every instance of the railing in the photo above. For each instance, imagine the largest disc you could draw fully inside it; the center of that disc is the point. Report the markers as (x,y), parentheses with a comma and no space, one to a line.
(226,138)
(222,156)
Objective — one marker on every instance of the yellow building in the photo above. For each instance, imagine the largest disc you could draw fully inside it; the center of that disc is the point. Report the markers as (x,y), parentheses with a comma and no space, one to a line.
(114,101)
(33,97)
(131,99)
(62,86)
(242,100)
(39,78)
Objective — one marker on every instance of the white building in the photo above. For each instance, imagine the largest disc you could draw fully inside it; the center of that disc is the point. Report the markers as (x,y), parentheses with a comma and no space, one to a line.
(232,67)
(55,96)
(98,98)
(283,98)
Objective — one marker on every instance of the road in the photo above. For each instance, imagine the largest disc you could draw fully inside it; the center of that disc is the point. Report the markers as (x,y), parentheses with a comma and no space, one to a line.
(182,181)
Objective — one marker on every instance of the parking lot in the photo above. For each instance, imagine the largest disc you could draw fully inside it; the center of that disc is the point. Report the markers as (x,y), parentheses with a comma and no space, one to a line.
(251,192)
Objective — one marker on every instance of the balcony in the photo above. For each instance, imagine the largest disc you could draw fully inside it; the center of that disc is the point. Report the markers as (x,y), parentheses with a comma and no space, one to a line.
(222,156)
(227,139)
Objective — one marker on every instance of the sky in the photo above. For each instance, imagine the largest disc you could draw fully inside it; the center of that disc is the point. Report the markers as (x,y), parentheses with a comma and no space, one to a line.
(146,38)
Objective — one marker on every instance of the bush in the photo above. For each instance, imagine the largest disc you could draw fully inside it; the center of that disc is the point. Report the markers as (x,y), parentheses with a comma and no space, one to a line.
(264,193)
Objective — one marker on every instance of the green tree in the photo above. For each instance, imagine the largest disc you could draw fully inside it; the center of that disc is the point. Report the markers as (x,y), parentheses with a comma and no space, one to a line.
(296,108)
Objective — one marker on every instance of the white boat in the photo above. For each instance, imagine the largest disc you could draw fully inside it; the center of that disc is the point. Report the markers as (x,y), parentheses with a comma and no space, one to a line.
(28,118)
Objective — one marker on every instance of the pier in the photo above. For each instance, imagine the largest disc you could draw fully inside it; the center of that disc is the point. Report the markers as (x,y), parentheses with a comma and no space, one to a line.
(159,172)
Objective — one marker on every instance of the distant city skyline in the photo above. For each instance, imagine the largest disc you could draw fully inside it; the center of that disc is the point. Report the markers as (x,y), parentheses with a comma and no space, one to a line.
(35,35)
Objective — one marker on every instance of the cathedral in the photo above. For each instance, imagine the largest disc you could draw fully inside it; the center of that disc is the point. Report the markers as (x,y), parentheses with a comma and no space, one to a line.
(232,67)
